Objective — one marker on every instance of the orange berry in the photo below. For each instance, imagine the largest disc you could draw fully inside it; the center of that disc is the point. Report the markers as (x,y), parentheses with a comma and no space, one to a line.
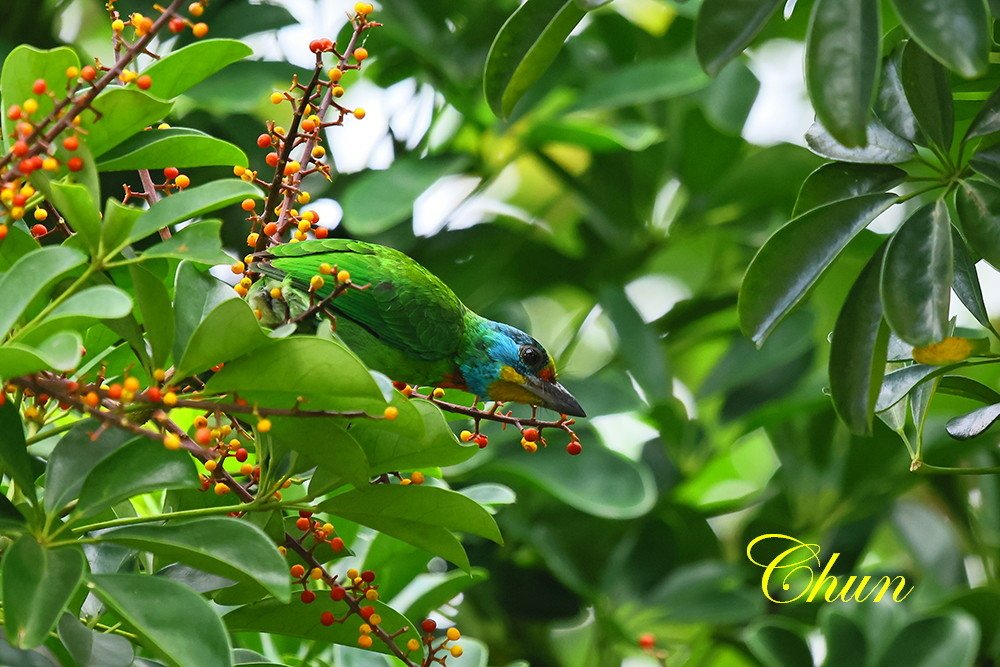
(88,73)
(365,641)
(360,53)
(199,29)
(182,181)
(247,205)
(196,9)
(221,489)
(144,82)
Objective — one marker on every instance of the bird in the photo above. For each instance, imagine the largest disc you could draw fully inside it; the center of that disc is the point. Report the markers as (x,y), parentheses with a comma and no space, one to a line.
(410,325)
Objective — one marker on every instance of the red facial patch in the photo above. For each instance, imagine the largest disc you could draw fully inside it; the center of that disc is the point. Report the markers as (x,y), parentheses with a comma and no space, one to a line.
(548,374)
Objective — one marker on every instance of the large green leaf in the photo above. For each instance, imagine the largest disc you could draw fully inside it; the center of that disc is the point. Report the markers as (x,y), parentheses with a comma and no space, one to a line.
(917,276)
(524,48)
(892,107)
(190,203)
(185,67)
(30,276)
(123,112)
(842,59)
(776,644)
(325,444)
(433,591)
(13,453)
(986,161)
(37,585)
(101,302)
(978,206)
(795,257)
(23,66)
(726,27)
(198,243)
(973,423)
(231,548)
(966,286)
(844,180)
(196,294)
(60,352)
(956,32)
(79,210)
(423,516)
(858,350)
(643,82)
(229,331)
(118,222)
(987,121)
(174,147)
(153,301)
(92,648)
(169,617)
(928,92)
(137,467)
(931,642)
(881,146)
(74,456)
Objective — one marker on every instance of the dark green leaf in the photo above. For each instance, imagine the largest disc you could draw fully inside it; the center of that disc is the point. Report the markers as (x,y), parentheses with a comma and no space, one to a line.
(643,82)
(157,312)
(79,210)
(190,203)
(13,452)
(899,383)
(881,146)
(227,547)
(174,147)
(196,294)
(892,107)
(845,643)
(917,276)
(727,101)
(967,286)
(928,92)
(777,645)
(74,456)
(185,67)
(524,48)
(930,642)
(123,112)
(198,243)
(37,585)
(795,257)
(169,617)
(726,27)
(973,423)
(858,350)
(987,121)
(987,163)
(958,385)
(325,444)
(956,32)
(843,180)
(30,276)
(842,59)
(91,648)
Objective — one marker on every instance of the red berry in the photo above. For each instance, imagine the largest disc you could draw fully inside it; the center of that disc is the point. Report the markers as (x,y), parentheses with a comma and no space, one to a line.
(366,612)
(647,641)
(19,200)
(26,166)
(38,87)
(307,596)
(481,440)
(14,112)
(74,163)
(297,571)
(20,148)
(338,593)
(368,576)
(428,625)
(327,44)
(203,435)
(337,544)
(36,162)
(88,73)
(154,394)
(241,455)
(326,618)
(71,143)
(530,434)
(171,172)
(177,25)
(264,140)
(38,230)
(321,232)
(574,447)
(3,235)
(271,159)
(144,82)
(303,523)
(316,46)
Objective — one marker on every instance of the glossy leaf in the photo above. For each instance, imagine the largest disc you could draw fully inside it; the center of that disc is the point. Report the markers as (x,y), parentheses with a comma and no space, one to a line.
(917,276)
(196,294)
(967,286)
(22,67)
(174,147)
(91,648)
(324,443)
(101,302)
(123,112)
(795,257)
(955,32)
(229,331)
(842,59)
(227,547)
(939,640)
(60,352)
(892,107)
(138,467)
(169,617)
(13,452)
(198,243)
(79,210)
(987,121)
(928,91)
(973,423)
(726,27)
(835,181)
(21,284)
(987,163)
(427,593)
(881,146)
(175,73)
(523,49)
(74,456)
(858,350)
(117,224)
(898,383)
(153,303)
(38,583)
(191,203)
(958,385)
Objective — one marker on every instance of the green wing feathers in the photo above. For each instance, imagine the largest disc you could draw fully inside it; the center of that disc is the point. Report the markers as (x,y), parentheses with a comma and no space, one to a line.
(405,305)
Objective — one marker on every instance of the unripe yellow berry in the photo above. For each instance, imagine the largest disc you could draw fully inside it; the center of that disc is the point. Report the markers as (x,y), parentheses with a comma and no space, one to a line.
(30,106)
(359,113)
(316,283)
(453,634)
(338,91)
(41,214)
(391,412)
(417,477)
(171,441)
(304,197)
(210,466)
(456,651)
(221,489)
(344,277)
(238,267)
(365,641)
(465,436)
(277,98)
(117,25)
(371,594)
(264,425)
(412,645)
(170,399)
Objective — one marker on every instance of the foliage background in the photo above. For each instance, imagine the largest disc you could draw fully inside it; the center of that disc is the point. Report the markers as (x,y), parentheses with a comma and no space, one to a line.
(613,216)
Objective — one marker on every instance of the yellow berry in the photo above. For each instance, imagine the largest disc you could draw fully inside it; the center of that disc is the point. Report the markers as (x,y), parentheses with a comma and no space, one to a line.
(170,399)
(317,152)
(343,277)
(405,482)
(316,573)
(275,292)
(304,225)
(238,170)
(199,29)
(182,181)
(365,641)
(391,412)
(456,651)
(41,214)
(117,25)
(252,239)
(264,425)
(72,72)
(412,645)
(371,594)
(316,283)
(417,477)
(30,106)
(325,269)
(159,375)
(360,53)
(438,392)
(338,91)
(359,113)
(465,436)
(374,619)
(171,441)
(50,164)
(210,466)
(238,267)
(365,629)
(131,384)
(304,197)
(453,634)
(352,574)
(292,167)
(196,9)
(277,98)
(221,489)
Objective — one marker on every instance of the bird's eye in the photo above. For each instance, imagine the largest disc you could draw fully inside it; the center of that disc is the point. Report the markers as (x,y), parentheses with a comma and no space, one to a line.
(531,356)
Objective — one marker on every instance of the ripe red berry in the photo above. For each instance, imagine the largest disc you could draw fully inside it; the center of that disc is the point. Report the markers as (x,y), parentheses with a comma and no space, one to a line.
(321,232)
(647,641)
(271,159)
(88,73)
(144,82)
(303,523)
(36,162)
(74,163)
(305,514)
(154,394)
(203,435)
(530,434)
(19,200)
(428,625)
(297,571)
(337,544)
(38,230)
(316,46)
(307,596)
(38,87)
(177,25)
(326,618)
(481,440)
(26,166)
(171,172)
(368,576)
(20,148)
(366,612)
(264,140)
(574,447)
(14,112)
(241,455)
(71,143)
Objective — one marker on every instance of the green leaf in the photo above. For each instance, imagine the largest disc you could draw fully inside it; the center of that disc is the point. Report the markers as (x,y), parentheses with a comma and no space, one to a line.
(777,644)
(191,203)
(101,302)
(728,100)
(951,640)
(858,350)
(597,135)
(987,121)
(229,331)
(881,146)
(13,452)
(61,352)
(174,147)
(424,519)
(978,206)
(642,83)
(74,456)
(917,276)
(198,243)
(527,43)
(323,372)
(325,444)
(955,32)
(842,62)
(303,621)
(196,294)
(17,244)
(973,423)
(967,287)
(958,385)
(987,162)
(928,92)
(118,222)
(123,112)
(185,67)
(169,617)
(795,257)
(79,210)
(90,647)
(380,200)
(228,547)
(22,67)
(157,312)
(726,27)
(29,277)
(37,585)
(845,643)
(140,466)
(835,181)
(892,107)
(433,591)
(897,384)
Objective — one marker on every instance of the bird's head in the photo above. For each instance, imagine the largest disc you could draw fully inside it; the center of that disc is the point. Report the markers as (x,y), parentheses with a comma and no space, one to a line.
(510,365)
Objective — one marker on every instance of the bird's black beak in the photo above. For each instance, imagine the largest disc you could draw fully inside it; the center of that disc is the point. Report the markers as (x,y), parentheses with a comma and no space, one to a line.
(554,396)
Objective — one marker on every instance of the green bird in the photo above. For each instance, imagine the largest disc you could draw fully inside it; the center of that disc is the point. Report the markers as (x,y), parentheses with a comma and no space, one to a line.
(410,325)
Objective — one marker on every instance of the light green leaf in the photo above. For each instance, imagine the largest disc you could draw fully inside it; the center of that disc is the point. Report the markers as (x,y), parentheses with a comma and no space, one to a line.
(191,203)
(229,331)
(101,302)
(118,222)
(61,352)
(323,443)
(174,147)
(198,243)
(22,67)
(37,585)
(123,112)
(192,64)
(30,276)
(79,210)
(157,312)
(835,181)
(643,82)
